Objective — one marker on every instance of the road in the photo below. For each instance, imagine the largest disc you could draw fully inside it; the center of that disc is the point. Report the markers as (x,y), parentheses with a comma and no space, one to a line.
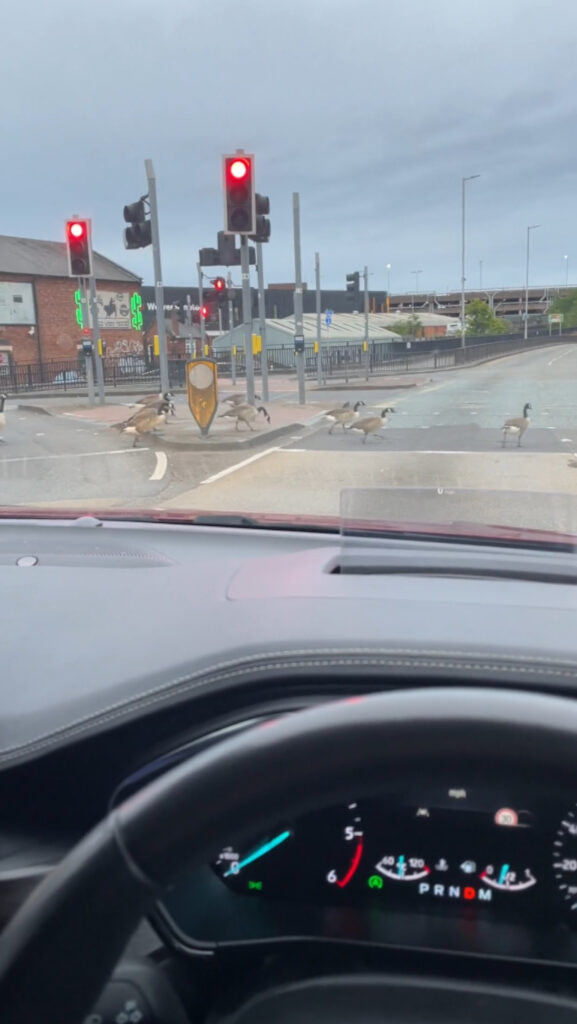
(442,444)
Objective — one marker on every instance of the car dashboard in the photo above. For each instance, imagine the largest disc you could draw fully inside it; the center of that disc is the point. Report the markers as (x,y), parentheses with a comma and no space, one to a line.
(468,865)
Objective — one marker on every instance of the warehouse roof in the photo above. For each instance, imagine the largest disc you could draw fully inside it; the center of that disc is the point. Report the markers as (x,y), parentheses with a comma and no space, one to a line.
(48,259)
(345,327)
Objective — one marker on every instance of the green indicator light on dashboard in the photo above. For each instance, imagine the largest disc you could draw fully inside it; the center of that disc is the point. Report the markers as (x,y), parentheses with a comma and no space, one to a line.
(254,885)
(375,882)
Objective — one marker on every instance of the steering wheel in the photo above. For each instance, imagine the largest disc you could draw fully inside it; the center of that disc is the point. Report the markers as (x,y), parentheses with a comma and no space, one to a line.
(60,948)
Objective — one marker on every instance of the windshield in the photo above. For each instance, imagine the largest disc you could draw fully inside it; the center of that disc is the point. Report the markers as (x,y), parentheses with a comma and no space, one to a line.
(260,257)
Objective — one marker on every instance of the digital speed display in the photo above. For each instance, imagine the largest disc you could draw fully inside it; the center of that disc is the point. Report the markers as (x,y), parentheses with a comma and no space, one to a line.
(454,846)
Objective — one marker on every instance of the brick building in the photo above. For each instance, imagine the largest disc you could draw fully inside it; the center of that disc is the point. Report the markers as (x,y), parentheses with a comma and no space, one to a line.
(38,321)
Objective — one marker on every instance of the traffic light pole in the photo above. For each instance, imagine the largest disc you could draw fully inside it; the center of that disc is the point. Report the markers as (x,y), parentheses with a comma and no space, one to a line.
(82,284)
(318,312)
(298,301)
(247,318)
(158,285)
(200,316)
(230,327)
(95,340)
(262,322)
(366,280)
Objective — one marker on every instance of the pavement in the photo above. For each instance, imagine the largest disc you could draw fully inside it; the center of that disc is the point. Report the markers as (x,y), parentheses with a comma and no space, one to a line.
(440,457)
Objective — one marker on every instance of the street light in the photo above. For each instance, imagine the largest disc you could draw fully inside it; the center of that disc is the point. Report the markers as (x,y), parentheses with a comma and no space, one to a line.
(566,258)
(481,275)
(416,273)
(388,278)
(529,230)
(464,181)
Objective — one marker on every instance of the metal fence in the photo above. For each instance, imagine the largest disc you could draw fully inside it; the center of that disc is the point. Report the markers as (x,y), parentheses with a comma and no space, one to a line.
(349,360)
(345,361)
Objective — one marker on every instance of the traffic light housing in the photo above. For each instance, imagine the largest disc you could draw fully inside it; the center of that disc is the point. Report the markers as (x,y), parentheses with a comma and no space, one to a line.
(79,247)
(354,287)
(138,235)
(239,194)
(262,228)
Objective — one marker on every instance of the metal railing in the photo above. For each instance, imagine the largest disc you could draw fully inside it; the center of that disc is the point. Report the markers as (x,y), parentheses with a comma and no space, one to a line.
(344,361)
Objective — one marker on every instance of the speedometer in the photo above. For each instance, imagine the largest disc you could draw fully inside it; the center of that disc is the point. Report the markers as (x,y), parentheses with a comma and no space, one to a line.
(565,858)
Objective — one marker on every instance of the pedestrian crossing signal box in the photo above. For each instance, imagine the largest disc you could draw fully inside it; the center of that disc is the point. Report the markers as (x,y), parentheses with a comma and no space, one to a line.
(299,344)
(86,347)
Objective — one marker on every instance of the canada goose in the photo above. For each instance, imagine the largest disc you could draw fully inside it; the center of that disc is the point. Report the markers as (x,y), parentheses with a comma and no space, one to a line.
(2,414)
(517,426)
(152,400)
(144,421)
(245,414)
(238,399)
(344,415)
(371,424)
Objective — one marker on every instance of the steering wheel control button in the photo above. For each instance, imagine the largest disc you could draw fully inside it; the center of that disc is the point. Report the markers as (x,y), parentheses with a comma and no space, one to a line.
(121,1003)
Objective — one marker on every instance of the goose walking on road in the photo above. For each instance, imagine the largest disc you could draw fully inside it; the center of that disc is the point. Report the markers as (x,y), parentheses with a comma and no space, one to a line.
(144,421)
(372,424)
(516,427)
(245,414)
(345,415)
(152,400)
(2,415)
(238,399)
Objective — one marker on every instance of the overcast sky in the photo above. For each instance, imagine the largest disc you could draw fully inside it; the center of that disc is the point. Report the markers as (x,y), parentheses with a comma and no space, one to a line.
(373,110)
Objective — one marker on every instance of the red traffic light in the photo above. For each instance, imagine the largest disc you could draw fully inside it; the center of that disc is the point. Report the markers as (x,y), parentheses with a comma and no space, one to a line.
(204,312)
(219,284)
(238,169)
(77,229)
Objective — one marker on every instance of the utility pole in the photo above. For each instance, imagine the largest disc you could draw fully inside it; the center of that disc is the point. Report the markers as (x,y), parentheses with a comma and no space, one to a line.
(481,275)
(87,358)
(158,285)
(200,316)
(95,341)
(526,326)
(366,279)
(247,318)
(189,321)
(463,276)
(230,328)
(298,301)
(262,322)
(318,312)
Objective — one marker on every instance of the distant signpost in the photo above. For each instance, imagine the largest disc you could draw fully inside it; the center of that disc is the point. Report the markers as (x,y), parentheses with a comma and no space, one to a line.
(555,318)
(328,317)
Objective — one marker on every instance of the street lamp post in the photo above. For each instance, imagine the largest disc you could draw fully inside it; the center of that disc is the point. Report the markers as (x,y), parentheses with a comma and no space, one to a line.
(530,228)
(481,275)
(416,273)
(464,181)
(388,286)
(566,258)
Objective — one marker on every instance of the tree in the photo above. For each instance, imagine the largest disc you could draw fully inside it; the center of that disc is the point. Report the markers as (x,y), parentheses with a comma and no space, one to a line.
(567,305)
(481,319)
(410,328)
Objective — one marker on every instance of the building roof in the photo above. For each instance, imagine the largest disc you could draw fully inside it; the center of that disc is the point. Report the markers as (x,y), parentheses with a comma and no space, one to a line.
(48,259)
(344,327)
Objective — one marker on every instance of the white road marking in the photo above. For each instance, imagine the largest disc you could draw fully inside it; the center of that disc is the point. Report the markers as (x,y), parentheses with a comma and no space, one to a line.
(293,449)
(72,455)
(238,465)
(567,440)
(551,361)
(161,466)
(40,434)
(296,437)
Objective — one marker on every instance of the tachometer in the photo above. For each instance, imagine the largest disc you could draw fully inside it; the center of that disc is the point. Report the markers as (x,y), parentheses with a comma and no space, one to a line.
(299,859)
(565,858)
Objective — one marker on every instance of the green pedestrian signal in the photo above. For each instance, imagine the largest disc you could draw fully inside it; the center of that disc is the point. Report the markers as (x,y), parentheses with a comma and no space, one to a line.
(136,311)
(79,312)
